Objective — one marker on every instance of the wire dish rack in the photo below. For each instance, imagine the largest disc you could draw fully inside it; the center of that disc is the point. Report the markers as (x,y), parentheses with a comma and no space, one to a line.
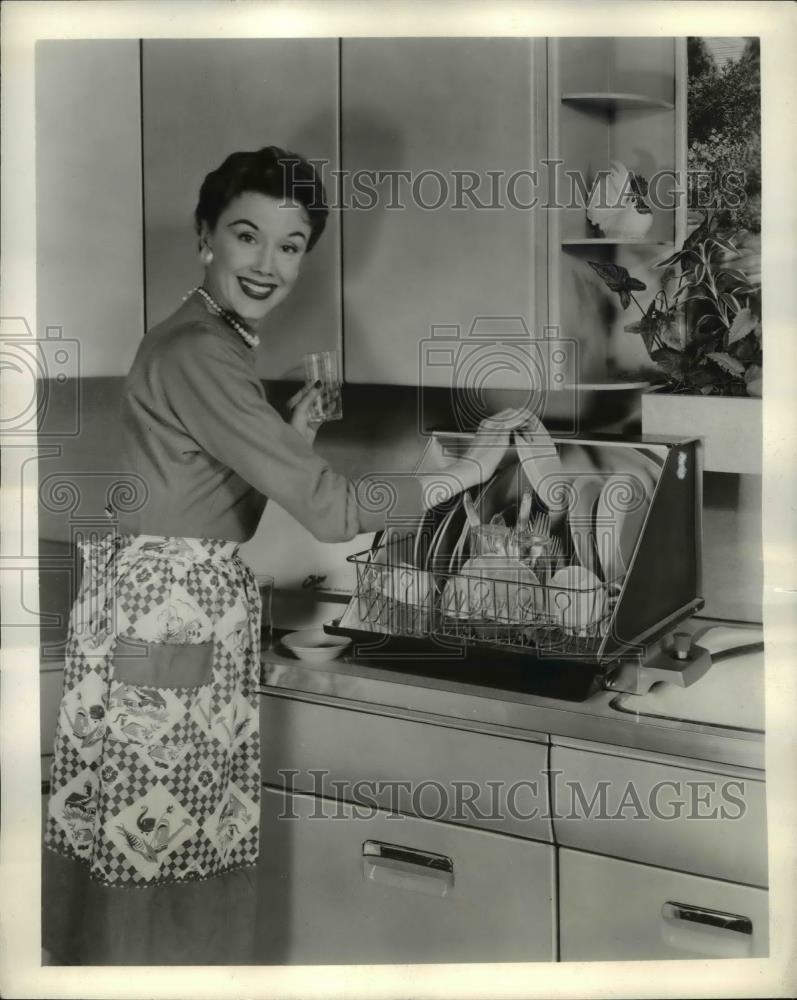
(500,601)
(572,629)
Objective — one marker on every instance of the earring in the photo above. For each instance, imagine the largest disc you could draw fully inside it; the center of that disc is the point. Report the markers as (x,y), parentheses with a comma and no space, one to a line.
(206,255)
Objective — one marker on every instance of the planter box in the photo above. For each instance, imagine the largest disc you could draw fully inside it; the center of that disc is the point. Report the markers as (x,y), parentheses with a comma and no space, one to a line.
(731,427)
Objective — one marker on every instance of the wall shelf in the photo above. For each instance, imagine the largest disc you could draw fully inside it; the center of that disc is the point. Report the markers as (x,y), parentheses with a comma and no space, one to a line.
(618,386)
(609,101)
(591,241)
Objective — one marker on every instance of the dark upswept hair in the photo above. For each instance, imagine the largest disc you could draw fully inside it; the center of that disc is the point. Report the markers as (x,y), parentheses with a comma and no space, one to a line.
(271,171)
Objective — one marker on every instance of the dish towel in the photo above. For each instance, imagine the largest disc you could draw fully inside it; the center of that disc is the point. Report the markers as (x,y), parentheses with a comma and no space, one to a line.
(156,770)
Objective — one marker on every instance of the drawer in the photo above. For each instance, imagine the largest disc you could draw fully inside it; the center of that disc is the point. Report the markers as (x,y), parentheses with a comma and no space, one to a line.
(50,686)
(695,821)
(432,771)
(615,910)
(338,888)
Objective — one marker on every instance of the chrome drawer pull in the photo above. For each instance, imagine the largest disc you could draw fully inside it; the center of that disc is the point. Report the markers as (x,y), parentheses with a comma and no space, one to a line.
(407,868)
(712,918)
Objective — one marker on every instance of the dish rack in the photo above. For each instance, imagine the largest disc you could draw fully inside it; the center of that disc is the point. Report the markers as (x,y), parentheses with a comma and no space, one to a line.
(506,609)
(431,617)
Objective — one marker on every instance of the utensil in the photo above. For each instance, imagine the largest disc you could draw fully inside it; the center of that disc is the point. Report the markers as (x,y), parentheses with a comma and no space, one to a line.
(541,525)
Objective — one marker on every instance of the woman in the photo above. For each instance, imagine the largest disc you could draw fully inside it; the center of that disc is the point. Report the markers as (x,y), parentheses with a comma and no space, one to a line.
(156,781)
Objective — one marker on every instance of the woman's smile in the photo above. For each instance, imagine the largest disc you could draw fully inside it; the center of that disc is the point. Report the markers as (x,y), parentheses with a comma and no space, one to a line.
(258,290)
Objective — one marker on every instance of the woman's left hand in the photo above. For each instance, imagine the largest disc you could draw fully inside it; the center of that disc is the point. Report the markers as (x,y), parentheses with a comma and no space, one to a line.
(301,405)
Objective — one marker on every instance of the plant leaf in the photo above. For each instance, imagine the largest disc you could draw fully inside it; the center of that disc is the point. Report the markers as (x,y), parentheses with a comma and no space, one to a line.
(614,276)
(743,323)
(753,380)
(734,275)
(745,349)
(669,261)
(669,332)
(625,298)
(697,235)
(638,327)
(723,244)
(669,361)
(726,362)
(635,285)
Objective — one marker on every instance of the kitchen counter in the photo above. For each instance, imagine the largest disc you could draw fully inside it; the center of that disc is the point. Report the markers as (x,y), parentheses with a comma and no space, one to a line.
(605,718)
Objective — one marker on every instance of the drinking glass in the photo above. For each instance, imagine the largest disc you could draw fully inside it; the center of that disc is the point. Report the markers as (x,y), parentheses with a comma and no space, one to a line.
(323,367)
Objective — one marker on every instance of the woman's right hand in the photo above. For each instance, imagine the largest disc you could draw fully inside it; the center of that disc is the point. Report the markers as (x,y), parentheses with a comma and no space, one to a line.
(481,459)
(301,407)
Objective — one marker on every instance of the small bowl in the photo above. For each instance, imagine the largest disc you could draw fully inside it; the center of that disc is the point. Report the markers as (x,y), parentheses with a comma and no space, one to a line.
(315,644)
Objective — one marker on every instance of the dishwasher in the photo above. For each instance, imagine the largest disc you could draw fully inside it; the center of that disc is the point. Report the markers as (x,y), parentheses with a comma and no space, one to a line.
(582,592)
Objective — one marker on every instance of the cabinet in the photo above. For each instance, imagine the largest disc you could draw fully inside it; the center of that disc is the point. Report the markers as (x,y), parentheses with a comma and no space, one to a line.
(89,276)
(401,765)
(336,886)
(418,116)
(612,99)
(204,99)
(616,910)
(660,812)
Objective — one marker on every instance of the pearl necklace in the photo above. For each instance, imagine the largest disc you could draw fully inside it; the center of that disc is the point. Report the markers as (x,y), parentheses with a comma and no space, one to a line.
(250,339)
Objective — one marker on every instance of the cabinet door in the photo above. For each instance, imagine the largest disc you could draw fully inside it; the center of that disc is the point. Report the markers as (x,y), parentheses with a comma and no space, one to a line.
(422,111)
(89,281)
(479,780)
(613,910)
(336,887)
(700,821)
(204,99)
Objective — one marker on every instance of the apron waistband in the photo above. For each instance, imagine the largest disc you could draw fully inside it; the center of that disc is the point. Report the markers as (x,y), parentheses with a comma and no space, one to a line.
(187,550)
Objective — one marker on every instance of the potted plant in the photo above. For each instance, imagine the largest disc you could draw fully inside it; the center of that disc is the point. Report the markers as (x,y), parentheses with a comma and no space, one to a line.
(702,329)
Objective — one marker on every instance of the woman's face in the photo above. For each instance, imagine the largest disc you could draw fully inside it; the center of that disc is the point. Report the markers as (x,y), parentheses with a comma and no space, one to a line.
(258,246)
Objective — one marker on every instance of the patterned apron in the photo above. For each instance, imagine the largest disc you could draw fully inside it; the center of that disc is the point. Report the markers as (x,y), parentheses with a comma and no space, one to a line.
(156,773)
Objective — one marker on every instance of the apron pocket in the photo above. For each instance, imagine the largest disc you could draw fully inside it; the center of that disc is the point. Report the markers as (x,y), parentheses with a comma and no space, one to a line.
(160,664)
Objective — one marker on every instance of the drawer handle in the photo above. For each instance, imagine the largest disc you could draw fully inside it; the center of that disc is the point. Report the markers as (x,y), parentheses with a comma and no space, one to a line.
(714,918)
(710,933)
(407,868)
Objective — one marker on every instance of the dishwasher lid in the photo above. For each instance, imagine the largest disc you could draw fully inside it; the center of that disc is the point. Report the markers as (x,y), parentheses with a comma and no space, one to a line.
(730,695)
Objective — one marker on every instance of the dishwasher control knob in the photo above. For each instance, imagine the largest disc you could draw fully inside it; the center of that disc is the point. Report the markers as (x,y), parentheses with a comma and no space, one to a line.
(681,645)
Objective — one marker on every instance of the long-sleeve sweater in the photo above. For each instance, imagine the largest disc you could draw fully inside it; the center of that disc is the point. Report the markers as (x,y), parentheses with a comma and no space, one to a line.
(210,450)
